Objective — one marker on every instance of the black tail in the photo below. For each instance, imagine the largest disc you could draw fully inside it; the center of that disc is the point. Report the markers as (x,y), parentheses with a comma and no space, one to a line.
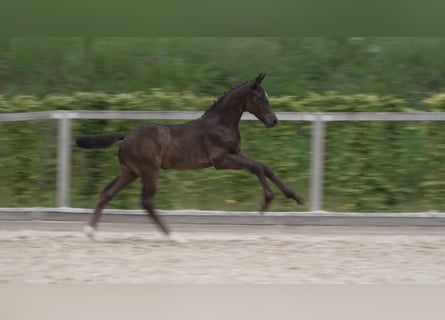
(99,141)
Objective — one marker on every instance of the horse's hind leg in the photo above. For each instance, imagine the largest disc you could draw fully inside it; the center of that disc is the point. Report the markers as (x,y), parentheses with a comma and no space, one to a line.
(149,181)
(124,179)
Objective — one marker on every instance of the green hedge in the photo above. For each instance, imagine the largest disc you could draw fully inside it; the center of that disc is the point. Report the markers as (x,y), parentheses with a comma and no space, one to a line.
(369,166)
(409,67)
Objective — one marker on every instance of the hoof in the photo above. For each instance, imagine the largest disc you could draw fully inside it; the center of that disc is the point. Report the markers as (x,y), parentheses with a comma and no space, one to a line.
(300,201)
(176,238)
(89,231)
(265,207)
(262,210)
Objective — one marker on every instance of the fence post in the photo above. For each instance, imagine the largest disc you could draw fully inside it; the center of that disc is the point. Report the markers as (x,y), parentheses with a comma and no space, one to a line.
(317,156)
(64,162)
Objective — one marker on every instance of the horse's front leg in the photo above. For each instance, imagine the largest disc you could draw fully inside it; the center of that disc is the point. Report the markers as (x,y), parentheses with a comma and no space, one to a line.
(288,192)
(240,161)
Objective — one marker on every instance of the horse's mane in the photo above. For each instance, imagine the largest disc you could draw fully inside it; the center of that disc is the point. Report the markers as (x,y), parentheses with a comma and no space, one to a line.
(218,101)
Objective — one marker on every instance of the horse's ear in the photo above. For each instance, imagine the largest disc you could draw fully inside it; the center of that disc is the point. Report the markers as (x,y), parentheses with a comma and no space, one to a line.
(259,79)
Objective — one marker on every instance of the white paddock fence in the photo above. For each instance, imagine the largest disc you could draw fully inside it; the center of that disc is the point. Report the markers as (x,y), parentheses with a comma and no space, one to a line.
(318,121)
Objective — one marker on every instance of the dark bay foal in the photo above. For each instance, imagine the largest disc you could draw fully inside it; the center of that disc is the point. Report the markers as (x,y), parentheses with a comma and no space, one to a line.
(213,140)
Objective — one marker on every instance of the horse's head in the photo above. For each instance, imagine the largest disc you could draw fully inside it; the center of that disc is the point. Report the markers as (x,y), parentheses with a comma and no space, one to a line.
(257,103)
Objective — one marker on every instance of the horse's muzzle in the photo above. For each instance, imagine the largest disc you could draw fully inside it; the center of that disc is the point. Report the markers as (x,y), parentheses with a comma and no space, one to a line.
(270,121)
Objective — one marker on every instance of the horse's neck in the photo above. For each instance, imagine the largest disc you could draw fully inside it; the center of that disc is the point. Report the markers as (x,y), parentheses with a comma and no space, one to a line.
(230,111)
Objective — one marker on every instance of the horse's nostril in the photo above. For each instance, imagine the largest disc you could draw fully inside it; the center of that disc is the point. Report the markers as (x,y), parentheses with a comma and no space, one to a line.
(271,122)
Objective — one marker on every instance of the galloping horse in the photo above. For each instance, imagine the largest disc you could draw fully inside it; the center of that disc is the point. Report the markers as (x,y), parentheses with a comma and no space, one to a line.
(213,140)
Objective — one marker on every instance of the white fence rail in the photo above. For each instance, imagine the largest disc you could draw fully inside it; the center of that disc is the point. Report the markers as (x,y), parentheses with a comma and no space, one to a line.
(318,120)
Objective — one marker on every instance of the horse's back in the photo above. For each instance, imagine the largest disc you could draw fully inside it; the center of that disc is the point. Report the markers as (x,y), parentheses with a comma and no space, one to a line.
(165,146)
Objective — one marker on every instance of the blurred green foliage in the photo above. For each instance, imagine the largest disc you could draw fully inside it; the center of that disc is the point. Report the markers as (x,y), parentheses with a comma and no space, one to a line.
(370,166)
(411,68)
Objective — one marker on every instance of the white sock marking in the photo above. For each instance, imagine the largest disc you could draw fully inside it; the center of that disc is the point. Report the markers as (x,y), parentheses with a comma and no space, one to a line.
(177,238)
(89,231)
